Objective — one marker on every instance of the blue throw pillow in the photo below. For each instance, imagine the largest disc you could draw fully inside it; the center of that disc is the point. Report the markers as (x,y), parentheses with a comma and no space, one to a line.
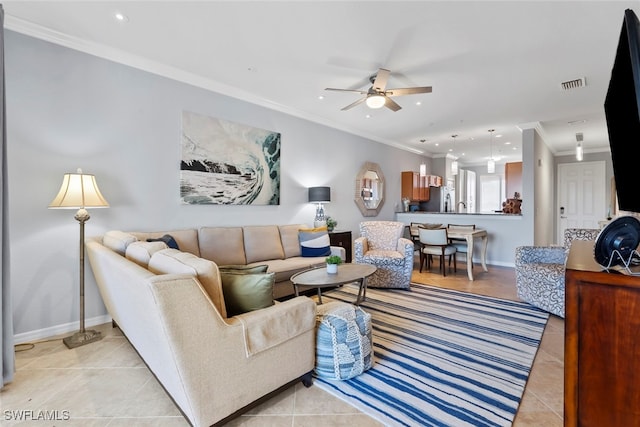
(168,239)
(314,242)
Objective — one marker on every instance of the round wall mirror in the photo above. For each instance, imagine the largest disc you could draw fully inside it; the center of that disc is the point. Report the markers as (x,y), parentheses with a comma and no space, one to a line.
(369,195)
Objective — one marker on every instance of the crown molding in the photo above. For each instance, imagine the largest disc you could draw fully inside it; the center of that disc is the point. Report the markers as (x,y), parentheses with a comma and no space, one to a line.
(119,56)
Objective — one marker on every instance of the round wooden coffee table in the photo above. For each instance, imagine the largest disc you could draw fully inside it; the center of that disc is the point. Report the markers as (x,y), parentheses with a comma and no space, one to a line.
(347,273)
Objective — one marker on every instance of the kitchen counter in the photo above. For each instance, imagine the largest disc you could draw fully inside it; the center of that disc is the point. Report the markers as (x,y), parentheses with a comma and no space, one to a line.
(463,213)
(504,231)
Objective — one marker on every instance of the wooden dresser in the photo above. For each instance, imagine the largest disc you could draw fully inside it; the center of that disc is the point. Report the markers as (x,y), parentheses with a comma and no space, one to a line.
(602,343)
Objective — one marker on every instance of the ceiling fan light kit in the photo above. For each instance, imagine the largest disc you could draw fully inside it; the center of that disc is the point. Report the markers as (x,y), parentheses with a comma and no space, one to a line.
(377,96)
(375,101)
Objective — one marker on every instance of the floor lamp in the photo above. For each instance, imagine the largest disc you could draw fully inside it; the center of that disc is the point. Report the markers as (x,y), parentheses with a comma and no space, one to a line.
(80,191)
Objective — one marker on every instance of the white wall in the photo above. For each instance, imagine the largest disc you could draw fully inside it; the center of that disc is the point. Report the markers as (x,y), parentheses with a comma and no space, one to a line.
(67,109)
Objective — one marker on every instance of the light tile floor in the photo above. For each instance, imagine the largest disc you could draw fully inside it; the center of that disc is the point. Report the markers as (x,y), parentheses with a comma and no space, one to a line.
(106,383)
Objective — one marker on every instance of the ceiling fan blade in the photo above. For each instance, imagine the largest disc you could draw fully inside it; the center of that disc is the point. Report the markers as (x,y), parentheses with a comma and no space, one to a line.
(391,104)
(363,92)
(408,91)
(380,81)
(358,102)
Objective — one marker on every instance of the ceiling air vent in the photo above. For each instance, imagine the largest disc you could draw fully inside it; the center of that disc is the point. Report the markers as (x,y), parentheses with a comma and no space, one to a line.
(574,84)
(579,137)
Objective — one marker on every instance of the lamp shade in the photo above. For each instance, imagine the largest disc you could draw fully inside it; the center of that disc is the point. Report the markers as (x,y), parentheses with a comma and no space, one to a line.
(79,190)
(491,166)
(319,194)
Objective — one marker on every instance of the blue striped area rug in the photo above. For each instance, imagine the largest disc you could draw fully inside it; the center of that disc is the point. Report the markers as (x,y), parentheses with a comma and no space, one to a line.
(442,357)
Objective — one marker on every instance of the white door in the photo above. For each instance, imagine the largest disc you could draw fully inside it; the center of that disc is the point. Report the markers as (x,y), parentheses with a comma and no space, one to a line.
(581,196)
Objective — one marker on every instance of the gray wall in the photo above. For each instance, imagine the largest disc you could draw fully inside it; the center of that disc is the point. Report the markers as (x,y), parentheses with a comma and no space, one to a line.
(67,109)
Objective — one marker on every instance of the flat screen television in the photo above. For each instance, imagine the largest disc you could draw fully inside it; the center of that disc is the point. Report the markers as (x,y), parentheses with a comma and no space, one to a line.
(621,107)
(617,243)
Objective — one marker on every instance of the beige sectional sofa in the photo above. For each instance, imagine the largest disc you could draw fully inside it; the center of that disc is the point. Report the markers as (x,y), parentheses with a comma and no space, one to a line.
(274,245)
(170,305)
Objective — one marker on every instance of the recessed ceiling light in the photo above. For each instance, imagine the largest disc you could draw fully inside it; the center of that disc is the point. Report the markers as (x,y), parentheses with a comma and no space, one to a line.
(419,103)
(498,136)
(507,143)
(120,17)
(437,144)
(368,116)
(320,97)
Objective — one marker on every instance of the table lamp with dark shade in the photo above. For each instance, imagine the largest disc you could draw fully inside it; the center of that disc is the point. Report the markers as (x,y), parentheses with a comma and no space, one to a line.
(80,191)
(319,195)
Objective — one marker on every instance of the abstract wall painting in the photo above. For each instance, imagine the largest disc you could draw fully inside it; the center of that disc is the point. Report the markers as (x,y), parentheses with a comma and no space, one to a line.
(226,163)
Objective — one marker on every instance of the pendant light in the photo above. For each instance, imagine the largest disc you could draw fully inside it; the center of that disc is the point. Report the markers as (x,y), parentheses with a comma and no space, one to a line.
(491,164)
(454,164)
(579,151)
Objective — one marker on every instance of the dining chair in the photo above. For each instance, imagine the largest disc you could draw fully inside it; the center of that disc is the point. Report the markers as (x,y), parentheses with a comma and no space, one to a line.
(435,241)
(461,244)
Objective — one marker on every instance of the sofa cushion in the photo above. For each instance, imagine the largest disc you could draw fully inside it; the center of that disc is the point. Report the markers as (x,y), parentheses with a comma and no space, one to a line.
(118,241)
(285,268)
(141,252)
(262,242)
(289,238)
(173,261)
(187,239)
(168,240)
(247,292)
(243,269)
(222,245)
(314,242)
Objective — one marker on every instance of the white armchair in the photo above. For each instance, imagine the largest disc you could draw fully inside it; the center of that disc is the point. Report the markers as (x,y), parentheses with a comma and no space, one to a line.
(381,244)
(540,271)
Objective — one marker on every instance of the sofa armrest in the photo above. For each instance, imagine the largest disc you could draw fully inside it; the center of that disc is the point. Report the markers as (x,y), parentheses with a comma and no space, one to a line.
(360,247)
(540,254)
(406,247)
(340,251)
(274,325)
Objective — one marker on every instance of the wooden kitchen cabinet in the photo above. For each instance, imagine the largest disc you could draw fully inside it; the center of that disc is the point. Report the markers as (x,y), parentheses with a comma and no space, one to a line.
(513,178)
(415,187)
(602,350)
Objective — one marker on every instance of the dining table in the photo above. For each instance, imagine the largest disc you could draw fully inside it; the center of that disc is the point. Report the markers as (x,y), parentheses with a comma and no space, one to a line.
(469,235)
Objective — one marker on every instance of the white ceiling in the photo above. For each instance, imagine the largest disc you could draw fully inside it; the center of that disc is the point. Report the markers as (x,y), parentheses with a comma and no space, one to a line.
(492,64)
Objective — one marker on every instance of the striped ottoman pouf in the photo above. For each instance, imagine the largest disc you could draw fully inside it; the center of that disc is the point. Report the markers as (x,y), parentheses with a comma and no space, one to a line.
(343,341)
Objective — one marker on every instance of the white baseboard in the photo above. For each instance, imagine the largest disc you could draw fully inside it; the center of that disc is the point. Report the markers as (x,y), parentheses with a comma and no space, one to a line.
(41,334)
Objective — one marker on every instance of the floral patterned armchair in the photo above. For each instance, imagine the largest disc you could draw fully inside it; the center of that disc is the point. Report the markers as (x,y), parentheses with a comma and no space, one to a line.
(381,244)
(540,271)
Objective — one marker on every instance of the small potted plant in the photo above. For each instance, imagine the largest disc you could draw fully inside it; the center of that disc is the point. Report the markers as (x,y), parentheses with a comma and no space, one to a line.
(332,263)
(331,223)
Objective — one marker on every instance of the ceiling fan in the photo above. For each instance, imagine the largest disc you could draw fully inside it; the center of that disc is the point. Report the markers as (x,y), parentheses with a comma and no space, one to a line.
(378,96)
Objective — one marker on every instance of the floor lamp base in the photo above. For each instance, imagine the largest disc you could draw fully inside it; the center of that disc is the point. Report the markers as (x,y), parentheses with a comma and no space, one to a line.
(82,338)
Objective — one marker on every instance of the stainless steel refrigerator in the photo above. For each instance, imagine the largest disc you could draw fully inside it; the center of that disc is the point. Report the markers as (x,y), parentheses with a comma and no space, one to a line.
(441,199)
